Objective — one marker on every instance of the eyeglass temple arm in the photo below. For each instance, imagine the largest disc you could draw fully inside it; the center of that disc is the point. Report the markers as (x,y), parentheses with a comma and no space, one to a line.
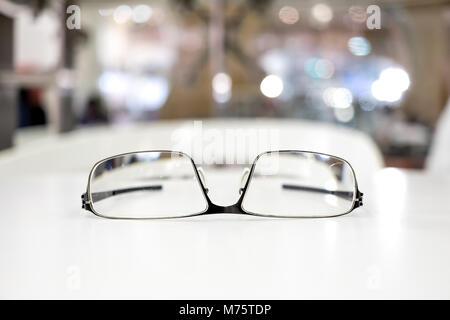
(97,196)
(342,194)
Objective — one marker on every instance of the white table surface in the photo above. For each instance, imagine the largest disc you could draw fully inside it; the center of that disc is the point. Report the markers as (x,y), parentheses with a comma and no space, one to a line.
(396,246)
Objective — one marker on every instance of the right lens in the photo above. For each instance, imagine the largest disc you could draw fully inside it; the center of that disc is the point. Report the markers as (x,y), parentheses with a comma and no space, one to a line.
(300,184)
(146,185)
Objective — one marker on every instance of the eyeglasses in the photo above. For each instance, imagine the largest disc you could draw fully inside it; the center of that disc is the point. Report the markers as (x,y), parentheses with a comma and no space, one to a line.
(168,184)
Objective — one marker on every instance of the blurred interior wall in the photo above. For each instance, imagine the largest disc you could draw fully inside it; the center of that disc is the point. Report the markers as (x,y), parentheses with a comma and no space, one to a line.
(429,49)
(430,44)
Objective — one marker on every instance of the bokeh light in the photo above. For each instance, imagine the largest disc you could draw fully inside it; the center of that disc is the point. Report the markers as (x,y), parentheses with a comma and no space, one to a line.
(345,114)
(383,92)
(322,13)
(391,85)
(288,15)
(139,93)
(339,98)
(106,12)
(142,13)
(272,86)
(357,14)
(113,83)
(359,46)
(148,93)
(275,61)
(397,77)
(221,84)
(319,68)
(122,14)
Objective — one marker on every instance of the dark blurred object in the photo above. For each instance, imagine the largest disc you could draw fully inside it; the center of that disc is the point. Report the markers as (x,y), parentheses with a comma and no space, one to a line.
(31,112)
(7,93)
(36,5)
(72,39)
(94,112)
(6,34)
(407,144)
(406,157)
(7,118)
(232,24)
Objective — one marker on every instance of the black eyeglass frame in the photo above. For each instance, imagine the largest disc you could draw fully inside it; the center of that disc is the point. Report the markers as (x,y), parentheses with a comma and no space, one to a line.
(211,207)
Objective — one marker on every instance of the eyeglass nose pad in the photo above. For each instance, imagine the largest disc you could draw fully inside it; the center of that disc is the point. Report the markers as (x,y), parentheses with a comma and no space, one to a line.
(202,176)
(244,177)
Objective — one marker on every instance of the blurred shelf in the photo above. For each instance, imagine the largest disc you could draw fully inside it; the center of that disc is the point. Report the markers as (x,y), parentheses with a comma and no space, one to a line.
(36,79)
(406,162)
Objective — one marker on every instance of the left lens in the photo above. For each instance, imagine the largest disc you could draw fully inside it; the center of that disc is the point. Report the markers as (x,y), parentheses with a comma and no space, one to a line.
(300,184)
(146,185)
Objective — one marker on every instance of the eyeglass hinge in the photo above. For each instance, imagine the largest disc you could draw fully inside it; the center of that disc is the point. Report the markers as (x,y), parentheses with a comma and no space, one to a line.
(84,201)
(359,199)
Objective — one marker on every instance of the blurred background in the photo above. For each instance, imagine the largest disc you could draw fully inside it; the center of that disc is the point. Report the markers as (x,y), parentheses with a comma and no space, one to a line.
(383,69)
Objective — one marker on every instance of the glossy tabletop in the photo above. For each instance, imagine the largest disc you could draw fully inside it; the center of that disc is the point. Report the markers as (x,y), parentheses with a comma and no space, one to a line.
(396,246)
